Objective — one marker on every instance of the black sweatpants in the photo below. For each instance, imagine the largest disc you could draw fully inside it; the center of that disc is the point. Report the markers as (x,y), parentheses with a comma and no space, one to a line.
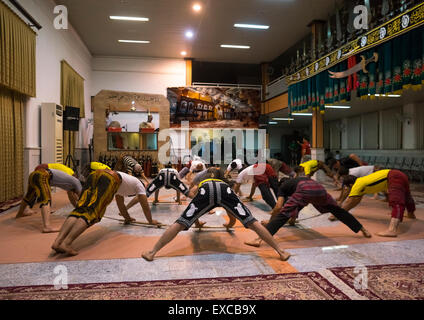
(167,178)
(212,194)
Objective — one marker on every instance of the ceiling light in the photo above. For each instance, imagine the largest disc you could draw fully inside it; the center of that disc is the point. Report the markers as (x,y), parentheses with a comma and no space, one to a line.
(129,18)
(234,46)
(302,114)
(189,34)
(134,41)
(394,95)
(272,122)
(338,107)
(197,7)
(283,119)
(251,26)
(183,53)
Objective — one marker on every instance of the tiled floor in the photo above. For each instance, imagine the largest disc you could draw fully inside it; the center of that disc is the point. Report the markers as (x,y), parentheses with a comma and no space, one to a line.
(209,265)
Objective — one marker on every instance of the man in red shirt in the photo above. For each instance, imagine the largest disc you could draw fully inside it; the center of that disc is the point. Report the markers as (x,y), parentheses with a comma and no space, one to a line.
(306,149)
(266,179)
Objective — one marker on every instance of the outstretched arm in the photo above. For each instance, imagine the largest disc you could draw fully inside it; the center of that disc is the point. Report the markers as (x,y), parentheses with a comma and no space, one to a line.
(351,203)
(142,198)
(123,209)
(73,198)
(278,207)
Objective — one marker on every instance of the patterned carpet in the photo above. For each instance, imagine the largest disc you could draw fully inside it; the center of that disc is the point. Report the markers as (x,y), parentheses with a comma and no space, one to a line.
(299,286)
(390,282)
(10,204)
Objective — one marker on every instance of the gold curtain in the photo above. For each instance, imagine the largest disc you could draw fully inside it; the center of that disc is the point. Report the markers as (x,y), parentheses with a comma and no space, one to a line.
(71,94)
(11,141)
(17,53)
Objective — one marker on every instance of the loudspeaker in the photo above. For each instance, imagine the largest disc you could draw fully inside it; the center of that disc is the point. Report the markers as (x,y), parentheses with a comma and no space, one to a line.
(71,119)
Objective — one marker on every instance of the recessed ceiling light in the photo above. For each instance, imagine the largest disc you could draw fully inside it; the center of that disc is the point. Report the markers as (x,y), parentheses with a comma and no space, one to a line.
(129,18)
(338,107)
(197,7)
(251,26)
(302,114)
(183,53)
(134,41)
(189,34)
(234,46)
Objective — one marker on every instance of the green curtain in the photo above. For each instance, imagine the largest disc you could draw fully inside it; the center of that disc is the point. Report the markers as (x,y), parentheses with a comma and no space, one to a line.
(11,141)
(400,67)
(17,53)
(71,94)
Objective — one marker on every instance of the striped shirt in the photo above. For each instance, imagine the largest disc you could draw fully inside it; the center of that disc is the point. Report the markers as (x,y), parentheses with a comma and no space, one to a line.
(129,164)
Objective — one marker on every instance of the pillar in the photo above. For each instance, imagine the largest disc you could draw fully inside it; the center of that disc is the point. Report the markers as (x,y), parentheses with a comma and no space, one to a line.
(317,135)
(189,72)
(409,134)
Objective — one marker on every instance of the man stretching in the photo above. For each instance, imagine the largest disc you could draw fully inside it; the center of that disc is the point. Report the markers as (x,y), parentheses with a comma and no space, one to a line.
(297,194)
(212,193)
(39,183)
(395,183)
(100,188)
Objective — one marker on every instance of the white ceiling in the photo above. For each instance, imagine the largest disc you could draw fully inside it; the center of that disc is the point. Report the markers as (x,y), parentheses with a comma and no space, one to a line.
(169,19)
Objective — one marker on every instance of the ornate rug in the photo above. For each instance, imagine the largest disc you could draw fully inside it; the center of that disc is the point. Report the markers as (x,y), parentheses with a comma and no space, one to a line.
(10,204)
(389,282)
(300,286)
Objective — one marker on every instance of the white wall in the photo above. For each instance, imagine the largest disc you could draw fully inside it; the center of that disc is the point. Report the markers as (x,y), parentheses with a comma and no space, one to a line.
(144,75)
(52,47)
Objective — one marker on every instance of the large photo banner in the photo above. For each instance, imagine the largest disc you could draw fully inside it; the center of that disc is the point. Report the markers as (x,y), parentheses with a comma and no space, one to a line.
(215,107)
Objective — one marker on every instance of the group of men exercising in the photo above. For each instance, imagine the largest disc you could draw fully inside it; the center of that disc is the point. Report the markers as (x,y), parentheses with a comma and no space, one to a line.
(212,187)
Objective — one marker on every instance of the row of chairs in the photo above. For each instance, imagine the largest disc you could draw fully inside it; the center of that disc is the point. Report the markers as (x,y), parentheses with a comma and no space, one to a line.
(412,166)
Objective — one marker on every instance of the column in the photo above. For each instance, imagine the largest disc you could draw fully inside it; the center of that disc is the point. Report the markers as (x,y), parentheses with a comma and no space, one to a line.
(189,71)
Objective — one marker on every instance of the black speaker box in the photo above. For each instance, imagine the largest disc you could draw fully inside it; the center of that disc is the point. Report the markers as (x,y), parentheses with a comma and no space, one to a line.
(71,118)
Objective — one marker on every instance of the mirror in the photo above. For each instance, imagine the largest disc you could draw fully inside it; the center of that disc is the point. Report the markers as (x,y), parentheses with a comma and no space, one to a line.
(132,141)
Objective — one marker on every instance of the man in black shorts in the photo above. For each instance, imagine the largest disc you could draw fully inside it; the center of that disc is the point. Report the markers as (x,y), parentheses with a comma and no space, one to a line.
(212,193)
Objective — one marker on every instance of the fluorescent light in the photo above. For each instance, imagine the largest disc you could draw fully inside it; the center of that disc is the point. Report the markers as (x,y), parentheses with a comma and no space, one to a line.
(272,122)
(234,46)
(338,107)
(388,95)
(129,18)
(302,114)
(134,41)
(183,53)
(283,119)
(189,34)
(251,26)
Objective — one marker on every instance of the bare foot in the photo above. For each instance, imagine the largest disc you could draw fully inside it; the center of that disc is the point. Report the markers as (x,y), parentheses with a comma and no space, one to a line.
(50,230)
(292,221)
(411,215)
(332,218)
(387,234)
(255,243)
(265,222)
(284,256)
(200,225)
(148,256)
(26,213)
(248,199)
(57,248)
(366,233)
(68,250)
(154,203)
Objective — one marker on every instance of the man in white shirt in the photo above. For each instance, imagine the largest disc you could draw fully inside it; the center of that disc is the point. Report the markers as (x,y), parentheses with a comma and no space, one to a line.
(100,188)
(235,165)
